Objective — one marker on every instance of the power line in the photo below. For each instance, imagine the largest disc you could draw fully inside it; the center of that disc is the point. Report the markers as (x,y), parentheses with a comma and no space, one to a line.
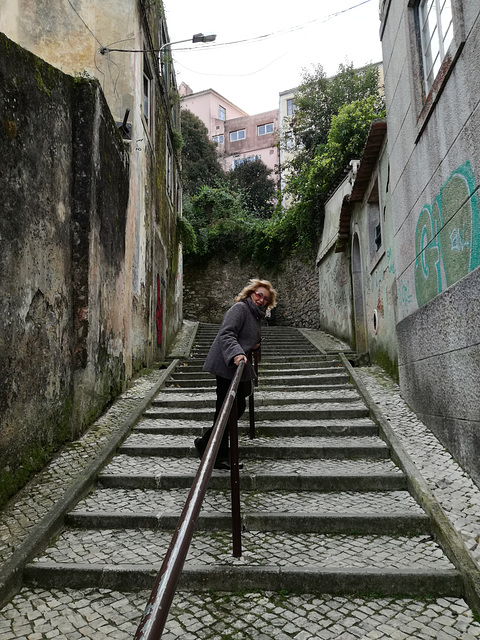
(278,33)
(85,24)
(259,38)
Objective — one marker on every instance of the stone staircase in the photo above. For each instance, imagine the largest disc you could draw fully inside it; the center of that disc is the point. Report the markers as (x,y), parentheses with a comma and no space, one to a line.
(324,508)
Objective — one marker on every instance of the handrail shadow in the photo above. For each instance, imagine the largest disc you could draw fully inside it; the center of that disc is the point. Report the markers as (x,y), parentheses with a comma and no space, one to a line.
(155,615)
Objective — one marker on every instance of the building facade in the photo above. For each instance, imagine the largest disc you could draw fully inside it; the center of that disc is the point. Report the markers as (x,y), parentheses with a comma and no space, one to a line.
(355,261)
(432,84)
(140,90)
(91,268)
(239,137)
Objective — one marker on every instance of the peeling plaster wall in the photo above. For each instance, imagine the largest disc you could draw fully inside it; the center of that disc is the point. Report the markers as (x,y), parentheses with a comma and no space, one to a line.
(62,260)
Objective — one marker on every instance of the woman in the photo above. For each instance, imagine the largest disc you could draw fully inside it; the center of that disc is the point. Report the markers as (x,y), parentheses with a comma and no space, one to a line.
(238,335)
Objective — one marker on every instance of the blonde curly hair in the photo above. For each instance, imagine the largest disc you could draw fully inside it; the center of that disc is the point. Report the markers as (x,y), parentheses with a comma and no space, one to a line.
(252,286)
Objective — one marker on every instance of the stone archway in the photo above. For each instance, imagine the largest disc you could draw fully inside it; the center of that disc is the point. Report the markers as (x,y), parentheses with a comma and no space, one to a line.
(358,299)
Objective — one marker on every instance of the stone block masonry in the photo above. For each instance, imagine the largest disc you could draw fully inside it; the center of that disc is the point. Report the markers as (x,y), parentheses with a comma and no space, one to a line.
(211,286)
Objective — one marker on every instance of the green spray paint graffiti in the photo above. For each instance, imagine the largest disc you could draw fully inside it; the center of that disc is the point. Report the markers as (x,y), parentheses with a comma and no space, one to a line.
(447,237)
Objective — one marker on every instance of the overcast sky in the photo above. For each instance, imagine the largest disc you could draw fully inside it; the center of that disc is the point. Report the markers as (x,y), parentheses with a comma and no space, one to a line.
(274,41)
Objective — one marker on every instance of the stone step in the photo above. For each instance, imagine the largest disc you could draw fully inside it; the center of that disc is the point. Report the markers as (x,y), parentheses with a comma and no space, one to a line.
(399,524)
(267,448)
(307,550)
(263,398)
(74,613)
(381,512)
(273,385)
(308,412)
(383,582)
(274,377)
(339,428)
(326,475)
(301,367)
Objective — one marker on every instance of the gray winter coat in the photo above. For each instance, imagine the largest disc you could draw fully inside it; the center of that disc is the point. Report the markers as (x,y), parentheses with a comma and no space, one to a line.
(238,334)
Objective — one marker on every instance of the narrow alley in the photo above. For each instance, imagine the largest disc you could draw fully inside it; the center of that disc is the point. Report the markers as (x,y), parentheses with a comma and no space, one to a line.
(335,543)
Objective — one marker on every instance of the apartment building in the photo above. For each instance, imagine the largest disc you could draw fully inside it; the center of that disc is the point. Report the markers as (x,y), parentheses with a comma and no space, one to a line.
(240,137)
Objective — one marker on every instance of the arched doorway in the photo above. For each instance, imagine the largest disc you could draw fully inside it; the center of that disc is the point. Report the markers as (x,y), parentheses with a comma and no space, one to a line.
(358,301)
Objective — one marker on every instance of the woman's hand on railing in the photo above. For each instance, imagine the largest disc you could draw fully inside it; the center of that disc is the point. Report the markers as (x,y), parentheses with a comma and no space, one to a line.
(239,358)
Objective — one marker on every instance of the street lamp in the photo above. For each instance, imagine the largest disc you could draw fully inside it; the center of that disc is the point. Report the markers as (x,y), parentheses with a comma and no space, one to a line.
(197,37)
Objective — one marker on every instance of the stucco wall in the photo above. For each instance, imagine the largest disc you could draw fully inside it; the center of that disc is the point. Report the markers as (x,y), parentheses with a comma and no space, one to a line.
(377,268)
(434,149)
(334,277)
(439,361)
(211,286)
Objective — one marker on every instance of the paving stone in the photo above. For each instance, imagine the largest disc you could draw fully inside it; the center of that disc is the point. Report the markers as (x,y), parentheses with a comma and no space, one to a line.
(105,614)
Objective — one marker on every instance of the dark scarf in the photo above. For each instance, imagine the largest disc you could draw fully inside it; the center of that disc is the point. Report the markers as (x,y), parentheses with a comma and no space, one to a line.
(257,312)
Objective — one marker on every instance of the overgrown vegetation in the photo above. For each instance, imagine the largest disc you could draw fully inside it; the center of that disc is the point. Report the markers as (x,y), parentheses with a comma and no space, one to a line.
(239,210)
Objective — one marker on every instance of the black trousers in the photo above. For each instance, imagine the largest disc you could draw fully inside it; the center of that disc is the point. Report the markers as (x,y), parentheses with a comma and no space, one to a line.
(223,385)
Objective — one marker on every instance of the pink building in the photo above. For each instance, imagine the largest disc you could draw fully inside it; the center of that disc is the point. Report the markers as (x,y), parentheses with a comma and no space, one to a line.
(240,137)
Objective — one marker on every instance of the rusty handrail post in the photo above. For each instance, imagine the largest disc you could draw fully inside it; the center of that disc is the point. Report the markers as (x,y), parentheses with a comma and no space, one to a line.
(235,482)
(155,615)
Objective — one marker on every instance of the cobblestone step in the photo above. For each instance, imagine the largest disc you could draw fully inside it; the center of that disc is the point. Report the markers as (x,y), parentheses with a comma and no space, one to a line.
(107,614)
(320,515)
(217,501)
(263,398)
(292,448)
(320,428)
(300,412)
(311,551)
(258,475)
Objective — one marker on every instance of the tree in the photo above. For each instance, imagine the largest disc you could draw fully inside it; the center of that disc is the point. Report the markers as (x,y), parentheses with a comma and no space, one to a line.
(253,180)
(331,124)
(319,98)
(200,165)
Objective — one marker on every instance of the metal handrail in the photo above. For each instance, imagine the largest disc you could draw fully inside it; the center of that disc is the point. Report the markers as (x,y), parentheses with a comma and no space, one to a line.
(155,615)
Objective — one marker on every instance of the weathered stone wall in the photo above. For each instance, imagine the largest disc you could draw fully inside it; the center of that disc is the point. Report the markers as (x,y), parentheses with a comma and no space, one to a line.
(64,186)
(211,286)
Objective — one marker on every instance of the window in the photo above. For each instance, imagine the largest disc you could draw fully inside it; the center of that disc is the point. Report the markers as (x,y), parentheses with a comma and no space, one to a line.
(147,94)
(263,129)
(237,135)
(290,106)
(219,139)
(436,33)
(239,161)
(222,113)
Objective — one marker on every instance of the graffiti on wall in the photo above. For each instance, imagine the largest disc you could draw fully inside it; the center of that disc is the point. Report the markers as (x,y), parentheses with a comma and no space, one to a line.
(447,237)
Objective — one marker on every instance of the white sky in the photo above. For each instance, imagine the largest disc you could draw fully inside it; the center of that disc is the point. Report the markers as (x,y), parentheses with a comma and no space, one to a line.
(251,74)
